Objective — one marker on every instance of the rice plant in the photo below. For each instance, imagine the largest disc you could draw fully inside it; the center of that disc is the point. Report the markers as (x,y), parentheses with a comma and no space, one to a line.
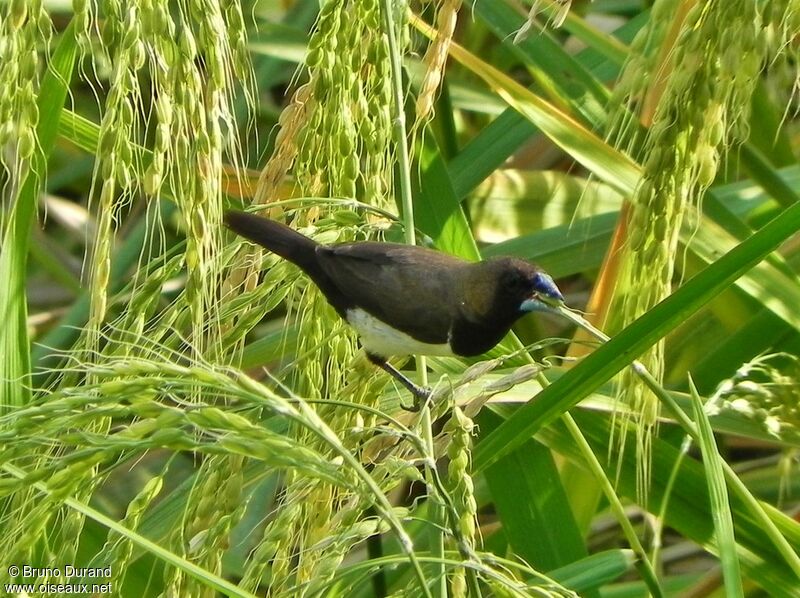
(182,413)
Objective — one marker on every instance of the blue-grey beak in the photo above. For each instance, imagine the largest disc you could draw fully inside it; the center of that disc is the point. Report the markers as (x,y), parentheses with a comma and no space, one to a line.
(545,294)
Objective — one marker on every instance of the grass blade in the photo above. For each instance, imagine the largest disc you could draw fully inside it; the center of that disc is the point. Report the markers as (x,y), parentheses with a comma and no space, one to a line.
(720,506)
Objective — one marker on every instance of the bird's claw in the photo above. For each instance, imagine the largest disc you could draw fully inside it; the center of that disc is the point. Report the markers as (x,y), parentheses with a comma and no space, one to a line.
(421,398)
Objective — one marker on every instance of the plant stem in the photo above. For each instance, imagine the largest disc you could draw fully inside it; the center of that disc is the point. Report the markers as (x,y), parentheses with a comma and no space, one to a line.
(404,167)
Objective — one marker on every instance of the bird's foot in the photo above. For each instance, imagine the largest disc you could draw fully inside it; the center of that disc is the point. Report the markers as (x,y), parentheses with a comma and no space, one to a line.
(421,397)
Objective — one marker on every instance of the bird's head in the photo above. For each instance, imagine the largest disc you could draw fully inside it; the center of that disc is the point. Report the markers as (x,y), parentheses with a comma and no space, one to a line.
(506,288)
(526,286)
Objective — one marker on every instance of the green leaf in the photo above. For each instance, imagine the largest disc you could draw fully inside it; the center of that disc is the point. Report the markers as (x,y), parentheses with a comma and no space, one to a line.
(504,135)
(611,166)
(553,67)
(437,211)
(718,493)
(563,250)
(538,524)
(594,571)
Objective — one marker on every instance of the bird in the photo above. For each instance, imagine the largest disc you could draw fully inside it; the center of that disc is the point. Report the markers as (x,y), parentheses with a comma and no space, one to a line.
(409,300)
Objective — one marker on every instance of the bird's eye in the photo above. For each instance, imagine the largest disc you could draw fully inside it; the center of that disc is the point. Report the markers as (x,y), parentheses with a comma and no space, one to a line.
(519,283)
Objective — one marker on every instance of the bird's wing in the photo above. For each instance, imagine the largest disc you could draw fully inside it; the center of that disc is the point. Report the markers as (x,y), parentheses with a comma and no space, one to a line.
(409,288)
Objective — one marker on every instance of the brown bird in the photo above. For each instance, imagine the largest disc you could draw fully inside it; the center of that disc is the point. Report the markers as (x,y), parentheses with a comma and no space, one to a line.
(407,300)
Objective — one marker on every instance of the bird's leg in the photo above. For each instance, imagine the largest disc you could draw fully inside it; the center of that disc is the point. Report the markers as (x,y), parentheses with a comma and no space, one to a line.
(421,395)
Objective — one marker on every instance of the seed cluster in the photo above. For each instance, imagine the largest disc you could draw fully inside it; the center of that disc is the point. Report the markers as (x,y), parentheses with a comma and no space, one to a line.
(118,549)
(194,57)
(632,101)
(129,389)
(349,128)
(765,390)
(191,54)
(435,58)
(150,400)
(276,536)
(115,167)
(22,31)
(702,110)
(462,491)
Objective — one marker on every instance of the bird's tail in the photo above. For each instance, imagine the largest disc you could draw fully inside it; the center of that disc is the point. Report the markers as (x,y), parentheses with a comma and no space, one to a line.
(290,245)
(277,237)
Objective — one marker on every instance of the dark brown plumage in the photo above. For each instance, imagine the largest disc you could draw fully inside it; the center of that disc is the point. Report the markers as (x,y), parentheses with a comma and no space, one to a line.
(403,299)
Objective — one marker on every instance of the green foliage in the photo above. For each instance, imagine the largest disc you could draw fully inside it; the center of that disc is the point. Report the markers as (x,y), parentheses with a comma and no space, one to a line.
(183,409)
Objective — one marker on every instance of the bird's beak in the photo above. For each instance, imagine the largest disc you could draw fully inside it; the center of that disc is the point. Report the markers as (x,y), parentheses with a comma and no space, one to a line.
(534,304)
(546,295)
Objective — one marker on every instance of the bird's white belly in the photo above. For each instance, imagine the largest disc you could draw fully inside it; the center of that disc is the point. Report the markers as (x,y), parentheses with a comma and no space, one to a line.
(384,341)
